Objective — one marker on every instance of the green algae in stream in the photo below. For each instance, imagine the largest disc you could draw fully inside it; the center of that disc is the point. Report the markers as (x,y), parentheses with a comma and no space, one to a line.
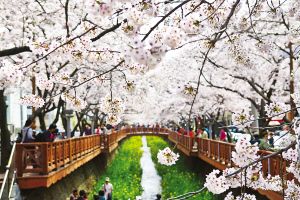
(179,178)
(124,171)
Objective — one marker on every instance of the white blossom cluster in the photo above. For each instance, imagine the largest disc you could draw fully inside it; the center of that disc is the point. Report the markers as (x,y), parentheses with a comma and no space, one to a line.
(290,155)
(9,74)
(32,100)
(246,196)
(293,191)
(216,183)
(74,102)
(113,107)
(242,119)
(44,83)
(273,183)
(294,168)
(276,110)
(167,157)
(245,152)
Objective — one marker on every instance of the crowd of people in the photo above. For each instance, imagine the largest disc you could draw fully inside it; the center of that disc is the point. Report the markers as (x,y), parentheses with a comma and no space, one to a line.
(29,134)
(266,140)
(199,133)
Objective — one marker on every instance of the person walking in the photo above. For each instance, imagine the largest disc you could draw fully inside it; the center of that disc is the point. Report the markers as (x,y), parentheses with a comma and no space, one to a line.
(101,195)
(108,188)
(82,195)
(74,195)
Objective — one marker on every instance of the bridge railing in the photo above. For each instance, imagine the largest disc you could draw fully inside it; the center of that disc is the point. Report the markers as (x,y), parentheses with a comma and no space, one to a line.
(45,157)
(183,141)
(133,130)
(216,150)
(222,152)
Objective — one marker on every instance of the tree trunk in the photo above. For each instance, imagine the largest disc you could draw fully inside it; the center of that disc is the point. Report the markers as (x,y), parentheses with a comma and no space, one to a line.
(292,86)
(59,106)
(79,117)
(262,114)
(41,117)
(5,134)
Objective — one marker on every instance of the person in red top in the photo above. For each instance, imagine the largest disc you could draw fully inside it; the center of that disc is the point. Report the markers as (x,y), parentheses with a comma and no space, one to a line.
(98,130)
(222,135)
(191,134)
(182,131)
(199,132)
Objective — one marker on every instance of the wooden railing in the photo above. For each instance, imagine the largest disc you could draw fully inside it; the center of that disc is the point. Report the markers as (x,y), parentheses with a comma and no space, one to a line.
(219,154)
(45,157)
(183,142)
(222,152)
(216,150)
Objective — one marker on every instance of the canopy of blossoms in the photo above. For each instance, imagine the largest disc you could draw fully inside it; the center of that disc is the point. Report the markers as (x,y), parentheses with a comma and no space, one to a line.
(150,61)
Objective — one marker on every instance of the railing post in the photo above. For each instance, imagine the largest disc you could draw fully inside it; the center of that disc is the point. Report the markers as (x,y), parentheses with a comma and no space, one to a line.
(229,161)
(19,159)
(55,155)
(64,153)
(208,145)
(218,159)
(70,150)
(269,166)
(44,158)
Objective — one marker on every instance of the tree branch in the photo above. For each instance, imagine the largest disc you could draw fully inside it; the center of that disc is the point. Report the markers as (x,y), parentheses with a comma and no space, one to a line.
(111,29)
(67,18)
(14,51)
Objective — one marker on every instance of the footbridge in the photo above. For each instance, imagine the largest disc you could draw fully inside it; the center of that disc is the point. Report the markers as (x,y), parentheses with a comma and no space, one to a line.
(44,164)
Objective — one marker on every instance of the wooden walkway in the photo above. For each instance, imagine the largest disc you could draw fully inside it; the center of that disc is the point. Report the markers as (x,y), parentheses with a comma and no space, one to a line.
(43,164)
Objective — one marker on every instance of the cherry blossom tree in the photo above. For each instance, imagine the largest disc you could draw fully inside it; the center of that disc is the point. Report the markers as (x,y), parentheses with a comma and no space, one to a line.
(153,60)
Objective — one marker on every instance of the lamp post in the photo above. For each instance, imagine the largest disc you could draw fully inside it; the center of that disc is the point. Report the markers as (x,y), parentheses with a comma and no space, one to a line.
(69,115)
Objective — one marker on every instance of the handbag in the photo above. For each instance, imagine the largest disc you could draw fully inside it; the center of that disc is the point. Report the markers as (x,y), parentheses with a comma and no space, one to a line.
(26,139)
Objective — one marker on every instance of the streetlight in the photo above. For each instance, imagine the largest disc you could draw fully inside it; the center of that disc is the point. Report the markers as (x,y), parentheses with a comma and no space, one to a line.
(69,115)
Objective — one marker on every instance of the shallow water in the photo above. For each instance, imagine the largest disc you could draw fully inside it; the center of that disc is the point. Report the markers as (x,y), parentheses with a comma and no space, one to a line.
(151,181)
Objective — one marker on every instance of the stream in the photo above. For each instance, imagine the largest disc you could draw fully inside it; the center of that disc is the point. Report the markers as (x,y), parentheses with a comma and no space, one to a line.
(151,181)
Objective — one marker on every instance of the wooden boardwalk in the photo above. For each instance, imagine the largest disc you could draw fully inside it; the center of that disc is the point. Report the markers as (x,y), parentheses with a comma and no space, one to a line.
(43,164)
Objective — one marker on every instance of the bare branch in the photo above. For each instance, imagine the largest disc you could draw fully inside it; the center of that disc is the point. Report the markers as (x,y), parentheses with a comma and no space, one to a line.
(111,29)
(14,51)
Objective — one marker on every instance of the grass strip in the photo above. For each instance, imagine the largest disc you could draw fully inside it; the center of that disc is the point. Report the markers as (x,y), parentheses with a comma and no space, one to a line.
(124,171)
